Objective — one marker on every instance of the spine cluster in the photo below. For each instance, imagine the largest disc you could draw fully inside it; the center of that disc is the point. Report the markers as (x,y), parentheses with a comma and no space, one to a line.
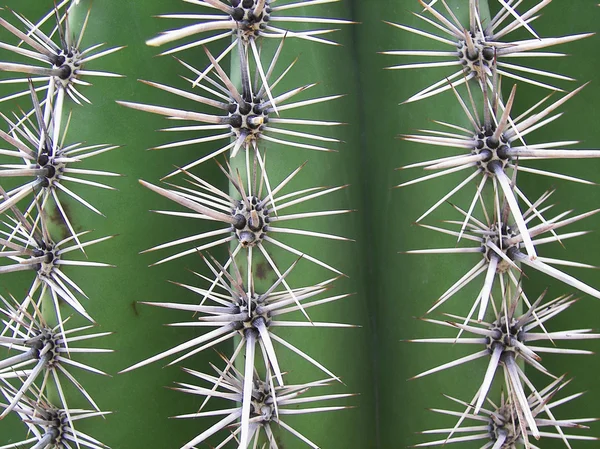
(42,167)
(501,224)
(247,112)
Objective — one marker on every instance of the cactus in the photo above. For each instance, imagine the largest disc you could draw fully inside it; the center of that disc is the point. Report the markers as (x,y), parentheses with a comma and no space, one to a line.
(283,333)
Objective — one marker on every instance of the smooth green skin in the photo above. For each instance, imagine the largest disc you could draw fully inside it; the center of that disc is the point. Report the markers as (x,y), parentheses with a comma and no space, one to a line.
(391,288)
